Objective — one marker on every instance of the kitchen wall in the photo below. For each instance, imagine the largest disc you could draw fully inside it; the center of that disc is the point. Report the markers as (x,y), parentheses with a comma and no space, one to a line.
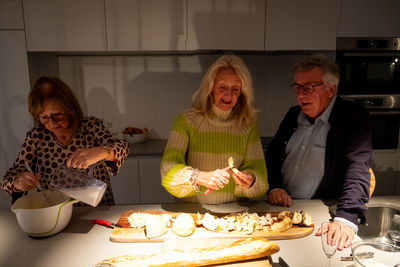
(148,91)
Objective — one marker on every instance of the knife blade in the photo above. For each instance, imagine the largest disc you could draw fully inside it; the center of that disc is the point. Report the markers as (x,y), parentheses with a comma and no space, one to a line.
(106,223)
(282,262)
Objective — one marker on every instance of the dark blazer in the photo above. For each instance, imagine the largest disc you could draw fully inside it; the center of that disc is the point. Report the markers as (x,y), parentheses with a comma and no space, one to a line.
(347,158)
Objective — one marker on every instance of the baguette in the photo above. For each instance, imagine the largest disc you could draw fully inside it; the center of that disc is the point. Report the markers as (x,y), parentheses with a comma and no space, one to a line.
(243,249)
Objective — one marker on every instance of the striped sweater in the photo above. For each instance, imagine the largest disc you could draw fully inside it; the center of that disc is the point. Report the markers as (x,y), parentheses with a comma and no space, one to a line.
(206,144)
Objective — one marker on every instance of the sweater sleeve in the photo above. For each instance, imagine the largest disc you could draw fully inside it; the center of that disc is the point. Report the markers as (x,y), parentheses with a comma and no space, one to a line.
(254,163)
(103,137)
(27,154)
(175,174)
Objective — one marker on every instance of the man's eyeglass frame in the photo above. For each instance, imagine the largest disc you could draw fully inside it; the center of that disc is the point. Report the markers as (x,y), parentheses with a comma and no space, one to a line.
(308,88)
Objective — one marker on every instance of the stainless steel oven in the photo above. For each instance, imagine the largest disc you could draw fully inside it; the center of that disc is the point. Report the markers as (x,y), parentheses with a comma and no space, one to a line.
(370,76)
(384,118)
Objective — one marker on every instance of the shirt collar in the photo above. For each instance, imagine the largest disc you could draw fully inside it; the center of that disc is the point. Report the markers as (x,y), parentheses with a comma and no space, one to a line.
(323,117)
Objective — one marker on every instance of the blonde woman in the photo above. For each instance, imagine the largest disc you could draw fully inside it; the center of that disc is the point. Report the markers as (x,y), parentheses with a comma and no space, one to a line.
(221,124)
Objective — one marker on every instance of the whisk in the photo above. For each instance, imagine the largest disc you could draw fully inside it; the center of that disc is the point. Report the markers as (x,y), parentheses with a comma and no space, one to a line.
(38,186)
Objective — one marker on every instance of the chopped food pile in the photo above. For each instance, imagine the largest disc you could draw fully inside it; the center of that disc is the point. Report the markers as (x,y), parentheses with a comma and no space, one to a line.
(185,224)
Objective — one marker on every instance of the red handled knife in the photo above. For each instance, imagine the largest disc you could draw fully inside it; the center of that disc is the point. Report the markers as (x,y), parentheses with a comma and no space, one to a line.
(106,223)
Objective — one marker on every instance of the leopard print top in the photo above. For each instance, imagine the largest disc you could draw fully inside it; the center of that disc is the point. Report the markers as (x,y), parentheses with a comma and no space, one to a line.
(44,154)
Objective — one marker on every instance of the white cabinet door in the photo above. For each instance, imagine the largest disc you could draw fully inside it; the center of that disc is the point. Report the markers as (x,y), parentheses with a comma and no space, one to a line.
(301,25)
(11,17)
(226,24)
(14,83)
(384,165)
(65,25)
(146,25)
(125,185)
(151,190)
(370,18)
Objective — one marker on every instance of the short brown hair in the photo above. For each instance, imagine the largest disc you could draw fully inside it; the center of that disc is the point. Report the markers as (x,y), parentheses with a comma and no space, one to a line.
(327,65)
(54,89)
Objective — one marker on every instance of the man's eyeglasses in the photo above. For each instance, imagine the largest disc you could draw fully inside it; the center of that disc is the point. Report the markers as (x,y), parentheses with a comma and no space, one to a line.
(309,88)
(55,117)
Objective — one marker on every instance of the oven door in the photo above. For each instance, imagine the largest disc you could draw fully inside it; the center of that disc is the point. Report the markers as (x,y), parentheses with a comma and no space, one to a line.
(385,129)
(369,73)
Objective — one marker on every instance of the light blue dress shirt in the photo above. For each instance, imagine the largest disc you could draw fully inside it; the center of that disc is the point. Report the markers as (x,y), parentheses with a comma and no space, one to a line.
(304,165)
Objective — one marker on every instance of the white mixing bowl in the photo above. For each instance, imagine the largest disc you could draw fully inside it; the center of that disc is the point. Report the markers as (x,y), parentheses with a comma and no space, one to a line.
(37,218)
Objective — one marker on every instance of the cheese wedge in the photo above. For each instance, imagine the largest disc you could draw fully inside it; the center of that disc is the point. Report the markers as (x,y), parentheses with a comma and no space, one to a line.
(155,226)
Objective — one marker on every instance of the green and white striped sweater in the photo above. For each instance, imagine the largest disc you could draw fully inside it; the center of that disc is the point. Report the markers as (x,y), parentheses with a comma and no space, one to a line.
(206,144)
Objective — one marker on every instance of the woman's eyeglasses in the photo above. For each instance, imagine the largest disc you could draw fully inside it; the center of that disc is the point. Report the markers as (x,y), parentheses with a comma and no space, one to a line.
(308,88)
(56,117)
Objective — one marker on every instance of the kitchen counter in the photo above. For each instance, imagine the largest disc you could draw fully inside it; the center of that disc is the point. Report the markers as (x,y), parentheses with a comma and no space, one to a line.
(84,244)
(150,148)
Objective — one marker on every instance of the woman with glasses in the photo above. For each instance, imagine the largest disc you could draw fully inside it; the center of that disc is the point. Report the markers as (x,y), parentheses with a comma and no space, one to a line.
(62,135)
(221,124)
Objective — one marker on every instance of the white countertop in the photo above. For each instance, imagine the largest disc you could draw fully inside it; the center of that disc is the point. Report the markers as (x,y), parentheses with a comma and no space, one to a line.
(84,244)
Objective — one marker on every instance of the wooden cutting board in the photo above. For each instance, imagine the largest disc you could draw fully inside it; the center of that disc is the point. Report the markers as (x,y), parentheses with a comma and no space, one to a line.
(127,234)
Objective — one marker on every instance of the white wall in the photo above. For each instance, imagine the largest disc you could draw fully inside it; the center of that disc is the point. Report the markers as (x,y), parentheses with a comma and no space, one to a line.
(148,91)
(15,119)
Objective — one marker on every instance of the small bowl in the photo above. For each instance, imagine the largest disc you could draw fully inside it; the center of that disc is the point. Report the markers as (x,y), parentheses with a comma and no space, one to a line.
(375,252)
(136,138)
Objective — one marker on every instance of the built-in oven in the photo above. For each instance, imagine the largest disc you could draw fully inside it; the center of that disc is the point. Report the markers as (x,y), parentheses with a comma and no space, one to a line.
(370,76)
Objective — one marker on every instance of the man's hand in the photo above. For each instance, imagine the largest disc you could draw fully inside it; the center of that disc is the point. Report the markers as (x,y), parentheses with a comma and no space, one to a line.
(346,234)
(279,197)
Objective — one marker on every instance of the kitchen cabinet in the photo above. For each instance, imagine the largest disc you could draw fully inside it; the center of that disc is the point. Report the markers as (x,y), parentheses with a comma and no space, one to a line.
(301,25)
(135,25)
(11,17)
(385,166)
(151,190)
(125,185)
(139,182)
(226,24)
(369,18)
(65,25)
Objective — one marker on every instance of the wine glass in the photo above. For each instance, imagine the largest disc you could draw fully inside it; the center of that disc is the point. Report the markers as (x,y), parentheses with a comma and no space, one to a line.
(330,234)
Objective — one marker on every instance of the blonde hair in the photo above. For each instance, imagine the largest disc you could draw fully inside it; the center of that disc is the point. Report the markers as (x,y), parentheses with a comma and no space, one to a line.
(54,89)
(244,110)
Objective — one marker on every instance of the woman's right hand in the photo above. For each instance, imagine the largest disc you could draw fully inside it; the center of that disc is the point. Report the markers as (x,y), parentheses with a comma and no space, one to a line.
(215,179)
(27,181)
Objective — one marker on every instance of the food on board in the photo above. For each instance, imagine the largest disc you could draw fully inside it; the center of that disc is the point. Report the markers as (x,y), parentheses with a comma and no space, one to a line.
(306,219)
(184,225)
(137,219)
(282,226)
(155,226)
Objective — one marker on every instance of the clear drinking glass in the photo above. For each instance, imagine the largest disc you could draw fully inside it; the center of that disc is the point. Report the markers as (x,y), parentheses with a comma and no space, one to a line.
(330,234)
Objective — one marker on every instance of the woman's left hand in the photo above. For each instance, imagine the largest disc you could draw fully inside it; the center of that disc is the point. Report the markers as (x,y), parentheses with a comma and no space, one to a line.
(83,158)
(243,178)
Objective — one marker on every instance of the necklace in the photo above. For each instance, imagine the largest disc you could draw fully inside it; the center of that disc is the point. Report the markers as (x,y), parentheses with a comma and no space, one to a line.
(64,139)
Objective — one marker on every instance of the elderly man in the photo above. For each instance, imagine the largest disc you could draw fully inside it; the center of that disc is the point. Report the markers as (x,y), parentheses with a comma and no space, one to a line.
(322,148)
